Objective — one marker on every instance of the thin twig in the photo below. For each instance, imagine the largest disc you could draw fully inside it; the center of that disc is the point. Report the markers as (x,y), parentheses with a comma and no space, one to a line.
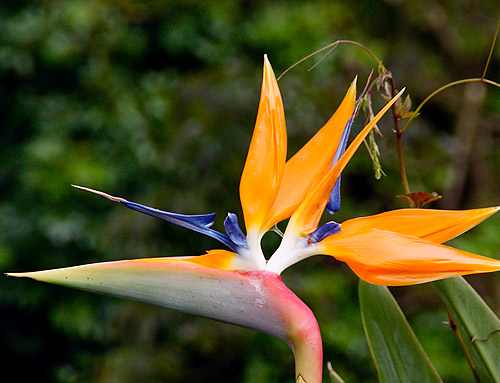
(476,338)
(481,79)
(331,46)
(399,141)
(491,50)
(464,81)
(454,328)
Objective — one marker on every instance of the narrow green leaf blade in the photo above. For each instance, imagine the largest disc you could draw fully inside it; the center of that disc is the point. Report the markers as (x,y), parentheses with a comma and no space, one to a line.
(398,355)
(478,326)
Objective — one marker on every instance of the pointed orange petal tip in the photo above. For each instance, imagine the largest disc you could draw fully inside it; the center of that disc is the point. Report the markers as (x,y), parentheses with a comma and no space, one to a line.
(352,88)
(387,258)
(429,224)
(266,157)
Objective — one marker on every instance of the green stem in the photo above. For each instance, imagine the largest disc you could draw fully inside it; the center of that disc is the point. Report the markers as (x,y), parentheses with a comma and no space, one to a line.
(399,140)
(402,169)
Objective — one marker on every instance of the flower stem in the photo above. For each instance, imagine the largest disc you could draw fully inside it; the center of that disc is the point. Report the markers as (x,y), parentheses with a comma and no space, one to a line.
(399,140)
(302,330)
(402,169)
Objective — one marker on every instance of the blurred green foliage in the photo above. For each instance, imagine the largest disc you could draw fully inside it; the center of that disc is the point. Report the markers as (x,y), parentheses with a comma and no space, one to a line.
(155,101)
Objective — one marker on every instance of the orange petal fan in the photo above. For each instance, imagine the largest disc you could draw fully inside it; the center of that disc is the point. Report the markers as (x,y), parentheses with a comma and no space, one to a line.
(432,225)
(266,158)
(305,219)
(311,162)
(387,258)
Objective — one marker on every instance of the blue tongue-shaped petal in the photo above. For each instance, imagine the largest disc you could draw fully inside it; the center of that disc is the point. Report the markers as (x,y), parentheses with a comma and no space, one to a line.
(324,231)
(233,230)
(199,223)
(334,202)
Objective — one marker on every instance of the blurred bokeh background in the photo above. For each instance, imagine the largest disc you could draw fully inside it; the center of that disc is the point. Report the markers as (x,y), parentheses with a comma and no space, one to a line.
(154,101)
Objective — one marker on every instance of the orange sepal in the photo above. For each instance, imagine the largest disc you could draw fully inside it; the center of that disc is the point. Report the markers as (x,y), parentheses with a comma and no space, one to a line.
(266,157)
(216,259)
(391,259)
(312,161)
(429,224)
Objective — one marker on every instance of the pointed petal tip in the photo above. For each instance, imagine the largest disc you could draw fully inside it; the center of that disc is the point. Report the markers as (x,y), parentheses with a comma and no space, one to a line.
(354,82)
(29,274)
(267,64)
(486,212)
(15,274)
(351,92)
(391,259)
(268,71)
(102,194)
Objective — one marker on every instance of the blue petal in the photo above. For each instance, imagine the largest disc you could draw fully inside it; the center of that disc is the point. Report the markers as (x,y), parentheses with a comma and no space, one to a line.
(199,223)
(233,230)
(324,231)
(334,202)
(343,141)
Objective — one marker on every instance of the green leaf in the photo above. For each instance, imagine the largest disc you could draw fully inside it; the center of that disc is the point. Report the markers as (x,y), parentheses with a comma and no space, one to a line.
(398,355)
(478,326)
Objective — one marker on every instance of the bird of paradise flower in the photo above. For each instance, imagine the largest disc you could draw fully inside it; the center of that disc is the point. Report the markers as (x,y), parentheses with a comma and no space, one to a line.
(240,286)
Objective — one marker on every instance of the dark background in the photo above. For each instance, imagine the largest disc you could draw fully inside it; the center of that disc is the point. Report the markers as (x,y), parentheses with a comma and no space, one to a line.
(155,101)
